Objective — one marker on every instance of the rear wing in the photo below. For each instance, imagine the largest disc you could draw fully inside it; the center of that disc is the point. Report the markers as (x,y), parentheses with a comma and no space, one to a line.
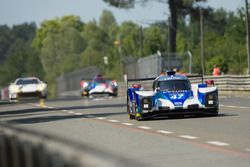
(192,77)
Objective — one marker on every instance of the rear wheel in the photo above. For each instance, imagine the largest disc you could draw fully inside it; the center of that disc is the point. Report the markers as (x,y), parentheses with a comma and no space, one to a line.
(129,110)
(131,116)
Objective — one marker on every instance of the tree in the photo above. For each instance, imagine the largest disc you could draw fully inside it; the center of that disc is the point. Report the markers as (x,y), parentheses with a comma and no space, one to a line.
(175,7)
(107,21)
(5,42)
(19,58)
(154,40)
(60,45)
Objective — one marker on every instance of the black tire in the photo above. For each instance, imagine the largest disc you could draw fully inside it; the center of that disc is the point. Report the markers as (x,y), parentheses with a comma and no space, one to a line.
(131,116)
(43,97)
(138,118)
(85,95)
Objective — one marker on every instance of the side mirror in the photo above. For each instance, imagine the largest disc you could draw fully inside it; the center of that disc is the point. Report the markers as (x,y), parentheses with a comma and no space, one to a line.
(209,82)
(138,86)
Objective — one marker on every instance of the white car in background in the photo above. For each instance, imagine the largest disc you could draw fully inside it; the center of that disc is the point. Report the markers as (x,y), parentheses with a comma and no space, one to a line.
(27,87)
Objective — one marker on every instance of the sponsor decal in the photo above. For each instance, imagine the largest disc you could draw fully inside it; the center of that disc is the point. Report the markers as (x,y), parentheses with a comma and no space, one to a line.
(178,103)
(177,96)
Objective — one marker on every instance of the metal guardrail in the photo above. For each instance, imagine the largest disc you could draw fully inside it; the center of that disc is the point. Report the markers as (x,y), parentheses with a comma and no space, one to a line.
(21,147)
(227,85)
(231,82)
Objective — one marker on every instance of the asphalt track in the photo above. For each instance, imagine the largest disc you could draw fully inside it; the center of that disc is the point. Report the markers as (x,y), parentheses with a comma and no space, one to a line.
(190,141)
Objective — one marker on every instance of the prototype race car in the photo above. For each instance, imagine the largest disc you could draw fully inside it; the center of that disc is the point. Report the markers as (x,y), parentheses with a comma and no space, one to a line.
(171,94)
(27,87)
(99,85)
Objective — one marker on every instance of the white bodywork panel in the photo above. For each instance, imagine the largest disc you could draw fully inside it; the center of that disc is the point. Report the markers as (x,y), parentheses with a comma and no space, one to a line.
(27,88)
(101,89)
(145,93)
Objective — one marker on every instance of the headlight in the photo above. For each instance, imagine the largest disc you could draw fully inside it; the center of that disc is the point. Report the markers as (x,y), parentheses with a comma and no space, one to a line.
(85,84)
(15,88)
(146,103)
(41,87)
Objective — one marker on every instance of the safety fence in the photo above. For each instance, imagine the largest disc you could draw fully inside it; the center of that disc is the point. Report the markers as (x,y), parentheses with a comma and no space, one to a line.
(20,147)
(151,66)
(235,85)
(231,85)
(71,81)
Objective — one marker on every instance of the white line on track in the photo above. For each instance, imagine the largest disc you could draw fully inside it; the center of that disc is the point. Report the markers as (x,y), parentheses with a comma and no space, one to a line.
(100,118)
(90,116)
(218,143)
(65,110)
(50,107)
(97,99)
(164,132)
(78,113)
(127,124)
(232,106)
(144,127)
(70,112)
(188,137)
(247,149)
(243,107)
(113,120)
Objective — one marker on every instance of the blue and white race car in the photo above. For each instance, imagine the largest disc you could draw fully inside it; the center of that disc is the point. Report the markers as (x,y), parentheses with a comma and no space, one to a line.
(172,94)
(99,85)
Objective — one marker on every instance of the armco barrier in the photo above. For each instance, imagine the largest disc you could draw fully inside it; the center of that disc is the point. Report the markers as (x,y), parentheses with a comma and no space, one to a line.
(26,148)
(230,85)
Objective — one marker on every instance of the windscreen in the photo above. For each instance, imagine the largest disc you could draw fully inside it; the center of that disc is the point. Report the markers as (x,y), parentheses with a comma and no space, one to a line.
(100,81)
(174,85)
(27,81)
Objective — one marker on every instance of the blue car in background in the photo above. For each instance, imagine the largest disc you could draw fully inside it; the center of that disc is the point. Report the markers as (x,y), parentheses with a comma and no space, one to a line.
(171,94)
(99,85)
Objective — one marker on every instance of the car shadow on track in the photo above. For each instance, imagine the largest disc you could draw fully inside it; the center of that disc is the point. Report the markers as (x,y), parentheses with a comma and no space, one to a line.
(24,111)
(43,109)
(191,116)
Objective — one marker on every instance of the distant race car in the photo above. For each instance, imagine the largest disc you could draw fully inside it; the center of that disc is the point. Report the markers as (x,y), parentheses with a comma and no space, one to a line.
(171,94)
(27,87)
(99,85)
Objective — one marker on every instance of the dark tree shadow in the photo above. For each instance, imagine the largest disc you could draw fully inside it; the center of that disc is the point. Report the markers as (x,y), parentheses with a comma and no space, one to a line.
(45,119)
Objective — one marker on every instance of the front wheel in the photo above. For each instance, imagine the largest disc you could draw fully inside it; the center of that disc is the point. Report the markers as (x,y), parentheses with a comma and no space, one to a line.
(138,117)
(129,109)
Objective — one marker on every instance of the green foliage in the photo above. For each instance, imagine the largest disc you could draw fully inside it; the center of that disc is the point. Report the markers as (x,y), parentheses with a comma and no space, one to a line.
(154,40)
(121,3)
(65,44)
(5,42)
(18,57)
(130,39)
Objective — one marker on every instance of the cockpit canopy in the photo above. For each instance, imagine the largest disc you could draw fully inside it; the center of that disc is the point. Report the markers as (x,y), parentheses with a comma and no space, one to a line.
(172,85)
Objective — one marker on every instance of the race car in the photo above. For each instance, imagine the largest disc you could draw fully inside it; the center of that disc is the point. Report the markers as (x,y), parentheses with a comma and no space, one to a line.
(27,87)
(172,94)
(99,85)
